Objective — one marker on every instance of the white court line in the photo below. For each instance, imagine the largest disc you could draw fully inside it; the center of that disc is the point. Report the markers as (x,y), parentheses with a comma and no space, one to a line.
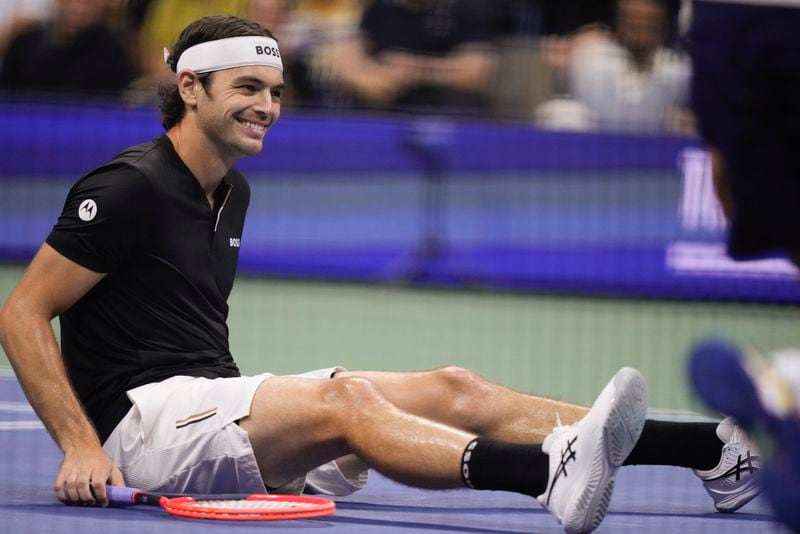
(21,425)
(680,416)
(18,407)
(10,406)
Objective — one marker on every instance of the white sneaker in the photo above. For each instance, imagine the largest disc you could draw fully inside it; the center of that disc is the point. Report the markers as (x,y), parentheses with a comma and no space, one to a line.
(584,457)
(735,481)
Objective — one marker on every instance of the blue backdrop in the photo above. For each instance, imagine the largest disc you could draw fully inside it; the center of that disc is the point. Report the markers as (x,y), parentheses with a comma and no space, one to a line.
(427,200)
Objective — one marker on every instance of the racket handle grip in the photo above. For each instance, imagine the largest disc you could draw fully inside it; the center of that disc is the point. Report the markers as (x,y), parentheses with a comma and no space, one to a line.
(122,496)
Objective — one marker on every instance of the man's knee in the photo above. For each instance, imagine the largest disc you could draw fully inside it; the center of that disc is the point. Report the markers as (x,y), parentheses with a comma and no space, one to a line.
(353,397)
(463,390)
(459,379)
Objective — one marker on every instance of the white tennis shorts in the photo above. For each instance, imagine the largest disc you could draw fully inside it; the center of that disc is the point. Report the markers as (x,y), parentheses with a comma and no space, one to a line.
(182,436)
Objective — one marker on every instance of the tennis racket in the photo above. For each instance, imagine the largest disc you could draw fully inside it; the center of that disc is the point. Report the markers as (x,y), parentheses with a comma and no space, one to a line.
(256,507)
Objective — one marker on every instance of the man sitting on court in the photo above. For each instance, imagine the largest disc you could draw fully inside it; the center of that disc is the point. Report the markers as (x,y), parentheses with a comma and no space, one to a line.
(144,390)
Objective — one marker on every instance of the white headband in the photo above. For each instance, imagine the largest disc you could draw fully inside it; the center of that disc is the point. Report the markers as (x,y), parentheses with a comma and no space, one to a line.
(229,53)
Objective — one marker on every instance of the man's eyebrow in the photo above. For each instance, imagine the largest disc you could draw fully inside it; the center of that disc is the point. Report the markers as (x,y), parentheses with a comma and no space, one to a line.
(258,81)
(248,79)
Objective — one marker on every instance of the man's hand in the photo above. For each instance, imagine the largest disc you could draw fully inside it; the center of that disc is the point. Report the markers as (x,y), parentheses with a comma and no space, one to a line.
(83,476)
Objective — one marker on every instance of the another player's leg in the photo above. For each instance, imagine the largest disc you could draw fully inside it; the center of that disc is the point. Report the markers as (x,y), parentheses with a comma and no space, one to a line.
(763,398)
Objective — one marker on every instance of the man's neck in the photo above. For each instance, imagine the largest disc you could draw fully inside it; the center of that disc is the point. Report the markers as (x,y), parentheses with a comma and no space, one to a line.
(200,155)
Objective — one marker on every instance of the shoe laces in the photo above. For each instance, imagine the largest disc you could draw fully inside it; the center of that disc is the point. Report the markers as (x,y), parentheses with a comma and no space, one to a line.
(557,432)
(560,427)
(558,421)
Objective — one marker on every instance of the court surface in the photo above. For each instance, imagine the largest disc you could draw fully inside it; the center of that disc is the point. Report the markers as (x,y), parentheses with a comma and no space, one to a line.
(655,499)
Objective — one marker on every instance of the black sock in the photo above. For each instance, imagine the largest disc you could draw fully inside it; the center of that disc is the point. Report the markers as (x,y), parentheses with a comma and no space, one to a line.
(496,465)
(694,445)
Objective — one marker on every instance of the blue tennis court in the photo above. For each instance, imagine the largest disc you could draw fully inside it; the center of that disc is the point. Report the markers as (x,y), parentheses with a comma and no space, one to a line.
(657,499)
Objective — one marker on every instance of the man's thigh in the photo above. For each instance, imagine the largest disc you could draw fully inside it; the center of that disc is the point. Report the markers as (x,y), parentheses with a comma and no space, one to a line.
(292,428)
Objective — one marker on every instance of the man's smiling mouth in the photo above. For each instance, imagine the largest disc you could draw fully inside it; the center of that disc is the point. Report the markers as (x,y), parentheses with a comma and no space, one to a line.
(252,125)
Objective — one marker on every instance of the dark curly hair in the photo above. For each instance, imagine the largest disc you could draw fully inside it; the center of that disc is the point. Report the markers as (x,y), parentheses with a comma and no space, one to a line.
(171,104)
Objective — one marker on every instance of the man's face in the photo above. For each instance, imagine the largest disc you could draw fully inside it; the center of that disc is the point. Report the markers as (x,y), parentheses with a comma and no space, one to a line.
(641,24)
(238,108)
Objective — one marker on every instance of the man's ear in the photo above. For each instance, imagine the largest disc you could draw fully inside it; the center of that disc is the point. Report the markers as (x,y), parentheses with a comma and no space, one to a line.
(188,83)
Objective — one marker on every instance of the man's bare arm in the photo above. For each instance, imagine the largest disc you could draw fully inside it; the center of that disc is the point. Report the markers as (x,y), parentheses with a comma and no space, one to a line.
(50,285)
(469,68)
(370,79)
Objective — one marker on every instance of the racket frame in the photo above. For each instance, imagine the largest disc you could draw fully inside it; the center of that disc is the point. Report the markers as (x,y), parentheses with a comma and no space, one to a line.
(307,508)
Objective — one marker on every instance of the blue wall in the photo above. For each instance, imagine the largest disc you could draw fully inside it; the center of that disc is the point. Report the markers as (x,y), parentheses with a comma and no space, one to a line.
(431,201)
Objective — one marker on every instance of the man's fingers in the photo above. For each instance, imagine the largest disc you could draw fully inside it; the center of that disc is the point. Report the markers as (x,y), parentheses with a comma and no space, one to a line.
(85,495)
(83,476)
(77,491)
(98,488)
(60,489)
(89,492)
(116,478)
(71,490)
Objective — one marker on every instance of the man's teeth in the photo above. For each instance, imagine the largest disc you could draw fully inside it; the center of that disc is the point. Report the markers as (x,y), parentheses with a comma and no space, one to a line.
(253,125)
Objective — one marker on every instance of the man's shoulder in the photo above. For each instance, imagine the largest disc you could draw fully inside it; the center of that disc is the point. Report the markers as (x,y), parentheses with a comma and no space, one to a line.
(138,162)
(127,171)
(141,154)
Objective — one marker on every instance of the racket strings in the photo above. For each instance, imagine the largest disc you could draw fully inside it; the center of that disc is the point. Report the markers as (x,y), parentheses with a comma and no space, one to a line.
(244,504)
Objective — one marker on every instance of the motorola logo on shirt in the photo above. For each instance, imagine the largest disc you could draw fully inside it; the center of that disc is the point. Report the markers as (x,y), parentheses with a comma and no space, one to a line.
(87,210)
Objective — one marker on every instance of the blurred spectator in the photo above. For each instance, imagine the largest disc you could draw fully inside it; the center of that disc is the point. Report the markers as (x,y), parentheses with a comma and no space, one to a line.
(161,23)
(300,26)
(420,54)
(269,13)
(628,79)
(306,29)
(16,15)
(279,17)
(72,52)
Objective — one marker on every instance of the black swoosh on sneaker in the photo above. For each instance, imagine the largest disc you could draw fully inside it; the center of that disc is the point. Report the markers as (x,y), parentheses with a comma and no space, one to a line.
(567,455)
(742,465)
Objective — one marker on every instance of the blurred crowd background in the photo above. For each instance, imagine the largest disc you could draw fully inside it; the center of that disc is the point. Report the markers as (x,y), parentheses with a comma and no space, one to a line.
(579,65)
